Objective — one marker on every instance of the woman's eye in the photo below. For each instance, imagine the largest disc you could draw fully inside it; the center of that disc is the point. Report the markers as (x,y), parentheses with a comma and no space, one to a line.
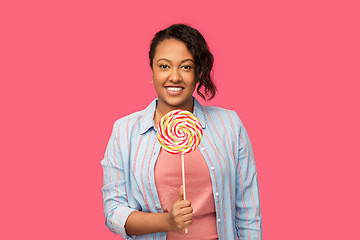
(163,66)
(186,67)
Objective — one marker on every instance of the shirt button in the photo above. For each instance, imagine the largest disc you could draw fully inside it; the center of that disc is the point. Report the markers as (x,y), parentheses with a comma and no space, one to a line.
(212,168)
(202,149)
(217,194)
(219,220)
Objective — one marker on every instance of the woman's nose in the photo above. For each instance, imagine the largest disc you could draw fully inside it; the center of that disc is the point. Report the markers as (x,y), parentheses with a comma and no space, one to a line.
(175,75)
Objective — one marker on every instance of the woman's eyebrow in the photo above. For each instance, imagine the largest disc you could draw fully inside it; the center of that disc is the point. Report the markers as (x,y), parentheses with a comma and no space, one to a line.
(188,59)
(163,59)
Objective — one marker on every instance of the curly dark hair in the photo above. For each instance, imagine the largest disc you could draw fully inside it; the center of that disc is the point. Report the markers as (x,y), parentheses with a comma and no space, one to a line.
(198,47)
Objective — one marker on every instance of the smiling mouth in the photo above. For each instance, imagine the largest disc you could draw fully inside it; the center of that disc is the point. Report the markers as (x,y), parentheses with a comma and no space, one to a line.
(174,89)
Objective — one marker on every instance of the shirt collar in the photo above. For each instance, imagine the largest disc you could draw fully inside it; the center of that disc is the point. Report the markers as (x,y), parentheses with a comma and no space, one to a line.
(147,121)
(199,113)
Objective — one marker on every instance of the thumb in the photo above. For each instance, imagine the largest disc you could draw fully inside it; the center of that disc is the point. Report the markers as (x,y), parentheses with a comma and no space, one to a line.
(181,194)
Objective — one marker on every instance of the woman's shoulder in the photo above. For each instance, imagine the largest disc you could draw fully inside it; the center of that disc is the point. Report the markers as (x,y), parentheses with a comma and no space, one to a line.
(222,113)
(223,120)
(136,120)
(130,117)
(216,109)
(129,120)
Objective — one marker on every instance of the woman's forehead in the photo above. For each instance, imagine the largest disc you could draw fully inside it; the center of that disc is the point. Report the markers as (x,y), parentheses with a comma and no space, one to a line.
(172,49)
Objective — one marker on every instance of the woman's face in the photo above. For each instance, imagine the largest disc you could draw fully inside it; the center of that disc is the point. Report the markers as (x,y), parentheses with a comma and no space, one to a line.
(174,75)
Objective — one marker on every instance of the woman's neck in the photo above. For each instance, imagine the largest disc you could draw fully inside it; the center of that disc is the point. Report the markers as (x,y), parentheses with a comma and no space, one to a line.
(162,109)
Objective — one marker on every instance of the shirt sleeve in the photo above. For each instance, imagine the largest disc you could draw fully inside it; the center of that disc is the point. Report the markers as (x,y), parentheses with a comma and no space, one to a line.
(116,207)
(248,214)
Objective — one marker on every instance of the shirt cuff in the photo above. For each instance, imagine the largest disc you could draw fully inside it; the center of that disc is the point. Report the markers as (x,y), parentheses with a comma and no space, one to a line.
(119,219)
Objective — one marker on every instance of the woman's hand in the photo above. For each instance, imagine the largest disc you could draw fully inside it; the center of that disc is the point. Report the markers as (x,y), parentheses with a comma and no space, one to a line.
(181,213)
(178,219)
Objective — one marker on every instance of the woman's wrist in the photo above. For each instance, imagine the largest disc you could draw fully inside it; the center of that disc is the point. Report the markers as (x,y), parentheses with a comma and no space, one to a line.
(169,223)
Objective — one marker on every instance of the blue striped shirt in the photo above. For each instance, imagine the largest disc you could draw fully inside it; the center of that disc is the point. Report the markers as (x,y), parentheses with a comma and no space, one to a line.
(128,170)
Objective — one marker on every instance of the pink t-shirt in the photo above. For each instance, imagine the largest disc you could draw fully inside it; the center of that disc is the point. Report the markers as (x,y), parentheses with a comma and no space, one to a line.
(168,180)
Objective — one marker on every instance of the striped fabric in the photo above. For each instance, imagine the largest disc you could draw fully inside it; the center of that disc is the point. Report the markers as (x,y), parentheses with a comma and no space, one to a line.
(128,169)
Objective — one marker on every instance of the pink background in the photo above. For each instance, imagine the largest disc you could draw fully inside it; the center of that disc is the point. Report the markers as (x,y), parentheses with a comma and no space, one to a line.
(69,69)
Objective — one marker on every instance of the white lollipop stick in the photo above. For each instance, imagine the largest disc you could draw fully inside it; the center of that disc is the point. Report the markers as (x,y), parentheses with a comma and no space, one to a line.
(183,174)
(183,180)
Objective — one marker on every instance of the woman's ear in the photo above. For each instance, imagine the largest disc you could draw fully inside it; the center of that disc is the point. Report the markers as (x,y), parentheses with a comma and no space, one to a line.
(152,79)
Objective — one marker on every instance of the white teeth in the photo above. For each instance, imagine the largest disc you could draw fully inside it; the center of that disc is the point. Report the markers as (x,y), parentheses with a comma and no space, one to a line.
(175,89)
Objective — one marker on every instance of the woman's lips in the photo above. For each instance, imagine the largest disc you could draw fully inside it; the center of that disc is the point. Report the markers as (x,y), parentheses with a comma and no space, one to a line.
(174,91)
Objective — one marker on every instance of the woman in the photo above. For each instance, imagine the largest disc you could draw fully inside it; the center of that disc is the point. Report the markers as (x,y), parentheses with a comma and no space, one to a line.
(142,183)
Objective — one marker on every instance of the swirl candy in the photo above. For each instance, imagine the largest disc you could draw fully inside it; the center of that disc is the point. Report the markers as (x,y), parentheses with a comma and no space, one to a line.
(179,132)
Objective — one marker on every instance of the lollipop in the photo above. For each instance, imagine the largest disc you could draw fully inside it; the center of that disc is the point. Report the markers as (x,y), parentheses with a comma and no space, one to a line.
(179,132)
